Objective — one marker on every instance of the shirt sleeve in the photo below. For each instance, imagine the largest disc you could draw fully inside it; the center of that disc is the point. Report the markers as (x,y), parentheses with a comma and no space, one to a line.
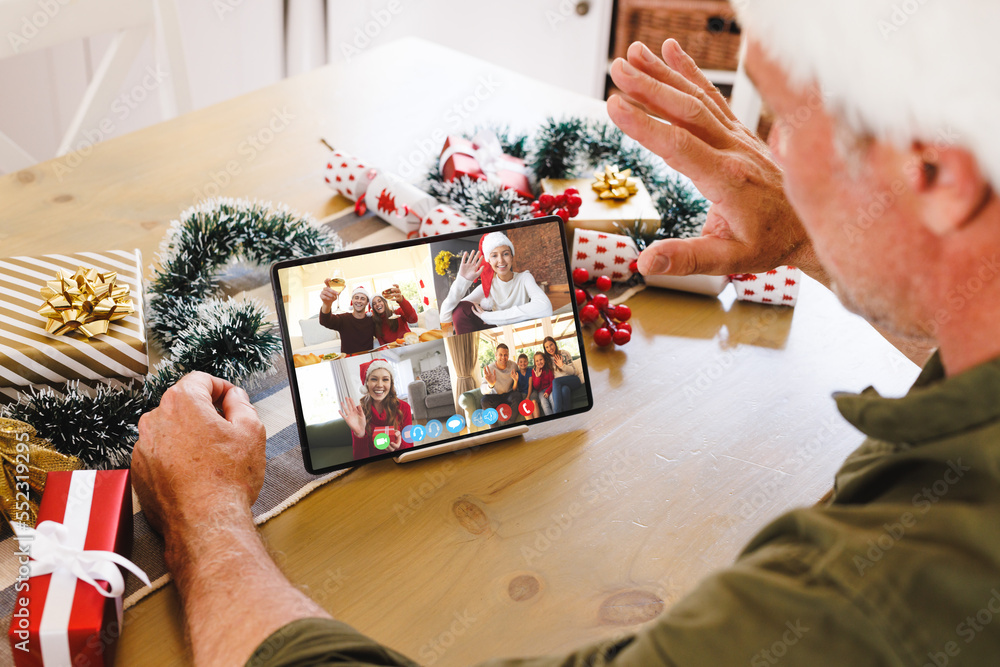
(456,293)
(538,306)
(775,605)
(407,311)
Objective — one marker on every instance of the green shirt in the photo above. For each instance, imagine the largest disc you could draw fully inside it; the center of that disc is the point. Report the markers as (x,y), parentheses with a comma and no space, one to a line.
(902,567)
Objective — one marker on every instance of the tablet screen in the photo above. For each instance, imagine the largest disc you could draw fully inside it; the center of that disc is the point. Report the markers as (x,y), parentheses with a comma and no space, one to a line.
(425,341)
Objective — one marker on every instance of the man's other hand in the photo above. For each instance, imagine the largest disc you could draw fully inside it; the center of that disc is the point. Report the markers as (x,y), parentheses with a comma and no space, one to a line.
(751,226)
(203,447)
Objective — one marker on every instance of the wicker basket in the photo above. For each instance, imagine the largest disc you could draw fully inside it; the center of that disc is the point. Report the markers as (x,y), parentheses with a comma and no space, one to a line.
(706,29)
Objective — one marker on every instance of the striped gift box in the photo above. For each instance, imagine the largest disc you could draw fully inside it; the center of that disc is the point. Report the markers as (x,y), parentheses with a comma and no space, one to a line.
(29,356)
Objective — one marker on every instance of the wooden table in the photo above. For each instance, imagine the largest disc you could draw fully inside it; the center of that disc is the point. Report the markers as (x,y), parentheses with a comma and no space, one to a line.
(714,419)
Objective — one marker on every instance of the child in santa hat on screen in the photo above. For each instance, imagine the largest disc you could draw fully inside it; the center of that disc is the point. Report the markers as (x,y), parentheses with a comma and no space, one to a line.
(504,296)
(379,411)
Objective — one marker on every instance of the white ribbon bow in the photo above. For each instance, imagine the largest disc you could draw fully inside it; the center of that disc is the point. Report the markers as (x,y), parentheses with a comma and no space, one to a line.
(50,552)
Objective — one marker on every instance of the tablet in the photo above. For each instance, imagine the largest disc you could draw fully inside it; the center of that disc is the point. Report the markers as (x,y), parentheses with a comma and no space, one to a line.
(398,347)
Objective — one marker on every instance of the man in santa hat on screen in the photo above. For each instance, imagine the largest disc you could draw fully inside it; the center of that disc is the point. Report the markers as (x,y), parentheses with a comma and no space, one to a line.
(880,181)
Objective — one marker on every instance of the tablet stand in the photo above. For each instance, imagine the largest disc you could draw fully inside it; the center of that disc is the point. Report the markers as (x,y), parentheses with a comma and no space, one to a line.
(465,443)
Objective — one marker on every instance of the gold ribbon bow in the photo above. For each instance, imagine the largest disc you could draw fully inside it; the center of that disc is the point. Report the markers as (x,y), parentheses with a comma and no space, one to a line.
(26,459)
(87,301)
(614,184)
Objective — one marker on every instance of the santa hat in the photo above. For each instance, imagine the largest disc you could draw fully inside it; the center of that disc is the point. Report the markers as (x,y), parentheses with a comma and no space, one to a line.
(487,244)
(370,367)
(900,71)
(363,290)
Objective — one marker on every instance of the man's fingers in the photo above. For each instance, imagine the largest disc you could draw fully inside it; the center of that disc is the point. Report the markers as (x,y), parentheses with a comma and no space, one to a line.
(708,255)
(236,407)
(670,104)
(678,147)
(646,61)
(677,59)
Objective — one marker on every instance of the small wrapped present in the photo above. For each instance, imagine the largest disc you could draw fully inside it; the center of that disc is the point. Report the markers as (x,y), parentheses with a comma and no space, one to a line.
(483,158)
(628,202)
(66,611)
(71,317)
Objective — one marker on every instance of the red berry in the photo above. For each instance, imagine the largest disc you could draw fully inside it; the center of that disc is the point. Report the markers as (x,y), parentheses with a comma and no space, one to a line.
(622,312)
(574,200)
(603,336)
(633,266)
(625,326)
(534,205)
(546,200)
(600,301)
(571,191)
(573,211)
(564,214)
(560,200)
(622,336)
(589,313)
(603,283)
(581,296)
(580,275)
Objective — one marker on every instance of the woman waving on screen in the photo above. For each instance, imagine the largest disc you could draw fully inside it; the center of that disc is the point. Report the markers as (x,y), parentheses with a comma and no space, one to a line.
(504,296)
(378,419)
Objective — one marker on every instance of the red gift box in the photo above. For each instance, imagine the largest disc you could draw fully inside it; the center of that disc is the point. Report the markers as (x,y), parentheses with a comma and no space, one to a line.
(483,159)
(60,619)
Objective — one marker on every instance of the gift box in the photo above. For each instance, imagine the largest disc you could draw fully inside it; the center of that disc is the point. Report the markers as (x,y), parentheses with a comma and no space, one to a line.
(33,353)
(602,214)
(68,611)
(482,158)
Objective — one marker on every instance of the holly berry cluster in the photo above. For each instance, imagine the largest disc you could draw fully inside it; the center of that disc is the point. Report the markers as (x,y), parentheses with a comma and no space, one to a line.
(566,205)
(614,326)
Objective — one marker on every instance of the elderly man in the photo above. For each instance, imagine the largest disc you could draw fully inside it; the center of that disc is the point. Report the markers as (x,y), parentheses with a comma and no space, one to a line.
(888,161)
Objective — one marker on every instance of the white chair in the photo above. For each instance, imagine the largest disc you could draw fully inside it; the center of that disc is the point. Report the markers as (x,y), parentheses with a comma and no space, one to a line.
(31,25)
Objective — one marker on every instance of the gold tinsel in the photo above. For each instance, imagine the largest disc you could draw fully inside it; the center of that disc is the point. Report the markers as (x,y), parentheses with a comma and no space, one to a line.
(87,301)
(613,183)
(24,469)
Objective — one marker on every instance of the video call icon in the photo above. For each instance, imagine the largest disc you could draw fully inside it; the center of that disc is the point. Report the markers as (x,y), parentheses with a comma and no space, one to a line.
(455,423)
(381,440)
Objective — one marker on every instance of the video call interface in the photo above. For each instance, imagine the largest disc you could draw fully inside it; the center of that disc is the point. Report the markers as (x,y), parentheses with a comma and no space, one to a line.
(419,345)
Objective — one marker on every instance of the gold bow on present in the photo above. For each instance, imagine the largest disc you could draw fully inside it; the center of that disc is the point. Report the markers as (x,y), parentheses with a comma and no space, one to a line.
(614,184)
(26,459)
(87,301)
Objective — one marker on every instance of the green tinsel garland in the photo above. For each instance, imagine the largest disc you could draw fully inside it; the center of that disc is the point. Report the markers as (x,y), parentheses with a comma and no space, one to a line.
(196,326)
(572,148)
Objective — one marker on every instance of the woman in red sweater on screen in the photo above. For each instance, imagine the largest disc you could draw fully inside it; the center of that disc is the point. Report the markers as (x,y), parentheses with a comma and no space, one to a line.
(379,413)
(388,328)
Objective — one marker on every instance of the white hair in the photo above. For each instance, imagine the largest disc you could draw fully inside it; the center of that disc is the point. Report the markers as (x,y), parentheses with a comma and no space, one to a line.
(899,70)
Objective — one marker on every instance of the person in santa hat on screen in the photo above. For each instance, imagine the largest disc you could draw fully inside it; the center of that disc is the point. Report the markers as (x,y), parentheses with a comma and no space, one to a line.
(379,413)
(504,296)
(388,329)
(356,328)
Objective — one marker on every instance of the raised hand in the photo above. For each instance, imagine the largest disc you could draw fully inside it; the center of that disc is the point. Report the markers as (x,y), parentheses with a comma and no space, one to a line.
(513,375)
(328,295)
(751,226)
(469,267)
(490,375)
(354,416)
(557,360)
(397,294)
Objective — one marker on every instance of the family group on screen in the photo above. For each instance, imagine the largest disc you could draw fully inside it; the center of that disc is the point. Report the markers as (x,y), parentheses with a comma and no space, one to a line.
(438,373)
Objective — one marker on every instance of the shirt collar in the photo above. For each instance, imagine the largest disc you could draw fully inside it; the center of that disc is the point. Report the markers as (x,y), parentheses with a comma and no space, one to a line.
(935,407)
